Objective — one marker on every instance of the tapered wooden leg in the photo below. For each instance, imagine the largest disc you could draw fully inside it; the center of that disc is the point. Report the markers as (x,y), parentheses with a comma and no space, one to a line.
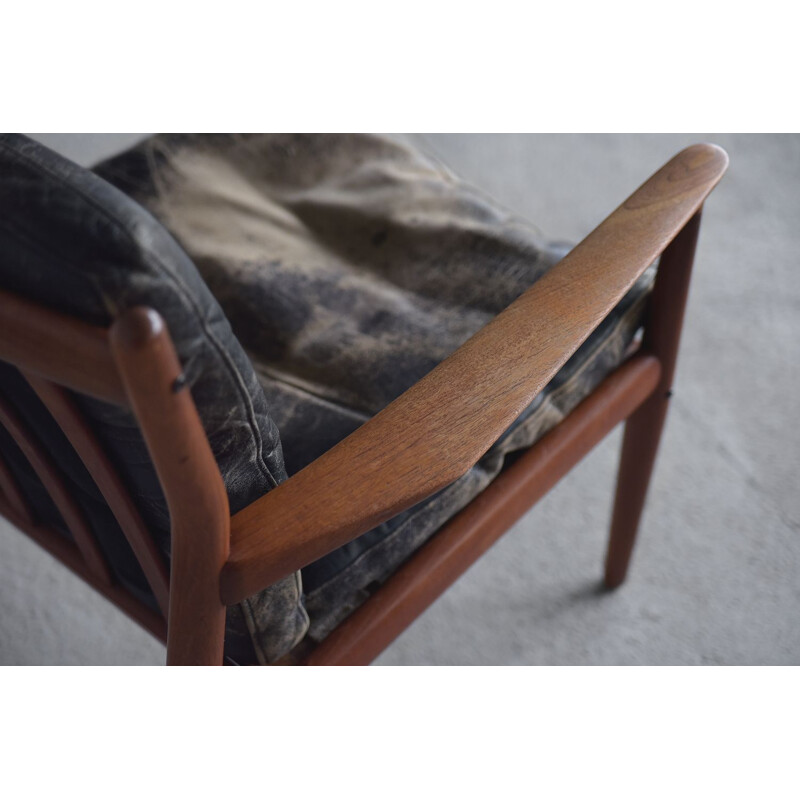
(643,429)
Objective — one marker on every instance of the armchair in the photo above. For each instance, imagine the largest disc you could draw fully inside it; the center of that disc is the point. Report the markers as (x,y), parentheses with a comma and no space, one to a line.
(414,448)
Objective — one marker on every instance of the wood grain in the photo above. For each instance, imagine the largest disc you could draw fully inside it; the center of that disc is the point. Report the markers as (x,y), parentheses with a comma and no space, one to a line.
(436,565)
(440,427)
(190,478)
(81,437)
(53,481)
(62,349)
(643,430)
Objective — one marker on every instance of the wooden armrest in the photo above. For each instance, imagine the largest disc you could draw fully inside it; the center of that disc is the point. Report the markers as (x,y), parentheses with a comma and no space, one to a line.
(433,433)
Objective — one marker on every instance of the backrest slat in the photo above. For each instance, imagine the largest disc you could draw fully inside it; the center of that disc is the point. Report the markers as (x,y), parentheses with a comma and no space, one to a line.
(76,256)
(11,494)
(105,476)
(51,479)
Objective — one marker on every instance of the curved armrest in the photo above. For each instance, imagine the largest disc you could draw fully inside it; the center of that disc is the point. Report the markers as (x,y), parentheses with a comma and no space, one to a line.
(433,433)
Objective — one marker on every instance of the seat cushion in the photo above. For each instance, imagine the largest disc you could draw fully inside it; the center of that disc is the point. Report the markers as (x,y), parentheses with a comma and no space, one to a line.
(75,244)
(349,266)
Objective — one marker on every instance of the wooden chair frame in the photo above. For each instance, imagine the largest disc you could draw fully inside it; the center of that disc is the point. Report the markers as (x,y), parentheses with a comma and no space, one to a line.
(420,443)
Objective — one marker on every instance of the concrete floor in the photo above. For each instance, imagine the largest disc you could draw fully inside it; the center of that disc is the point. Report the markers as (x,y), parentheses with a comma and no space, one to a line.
(715,576)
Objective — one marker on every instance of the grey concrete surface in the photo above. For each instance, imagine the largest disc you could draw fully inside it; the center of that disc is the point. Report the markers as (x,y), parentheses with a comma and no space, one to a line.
(715,575)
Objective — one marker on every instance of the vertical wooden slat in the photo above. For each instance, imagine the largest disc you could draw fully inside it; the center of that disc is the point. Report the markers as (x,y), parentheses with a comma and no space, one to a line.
(75,428)
(11,493)
(51,479)
(68,554)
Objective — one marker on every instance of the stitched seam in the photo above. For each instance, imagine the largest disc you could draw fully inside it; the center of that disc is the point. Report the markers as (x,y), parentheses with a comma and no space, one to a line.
(256,633)
(182,291)
(263,370)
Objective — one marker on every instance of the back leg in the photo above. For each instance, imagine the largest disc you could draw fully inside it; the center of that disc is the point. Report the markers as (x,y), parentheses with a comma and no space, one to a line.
(643,428)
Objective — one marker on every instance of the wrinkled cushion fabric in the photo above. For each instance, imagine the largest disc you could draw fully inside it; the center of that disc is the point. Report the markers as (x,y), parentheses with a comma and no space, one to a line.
(349,266)
(76,244)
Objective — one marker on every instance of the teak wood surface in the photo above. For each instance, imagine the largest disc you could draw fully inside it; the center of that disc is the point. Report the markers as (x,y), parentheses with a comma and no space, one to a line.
(420,443)
(64,412)
(436,431)
(199,520)
(375,625)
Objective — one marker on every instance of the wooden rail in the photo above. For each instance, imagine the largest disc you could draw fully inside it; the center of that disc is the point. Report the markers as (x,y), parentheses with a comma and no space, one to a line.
(439,428)
(436,565)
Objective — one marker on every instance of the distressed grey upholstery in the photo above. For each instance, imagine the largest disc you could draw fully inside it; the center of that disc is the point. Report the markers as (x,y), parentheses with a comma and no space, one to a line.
(74,243)
(347,267)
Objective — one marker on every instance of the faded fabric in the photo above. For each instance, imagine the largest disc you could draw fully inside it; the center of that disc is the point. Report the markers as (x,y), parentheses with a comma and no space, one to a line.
(349,266)
(74,243)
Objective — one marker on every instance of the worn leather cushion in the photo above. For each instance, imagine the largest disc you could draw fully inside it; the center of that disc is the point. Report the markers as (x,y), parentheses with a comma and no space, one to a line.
(349,266)
(74,243)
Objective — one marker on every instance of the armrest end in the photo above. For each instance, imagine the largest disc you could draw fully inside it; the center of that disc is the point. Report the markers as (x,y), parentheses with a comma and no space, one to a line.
(434,432)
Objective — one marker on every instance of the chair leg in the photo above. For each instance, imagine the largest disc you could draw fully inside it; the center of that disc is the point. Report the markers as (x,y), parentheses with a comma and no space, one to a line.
(643,429)
(639,447)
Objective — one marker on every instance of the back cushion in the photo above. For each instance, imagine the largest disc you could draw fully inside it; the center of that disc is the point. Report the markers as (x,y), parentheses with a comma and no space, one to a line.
(75,244)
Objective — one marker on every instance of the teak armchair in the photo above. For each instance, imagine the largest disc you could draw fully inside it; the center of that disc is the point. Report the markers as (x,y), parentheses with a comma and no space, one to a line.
(420,443)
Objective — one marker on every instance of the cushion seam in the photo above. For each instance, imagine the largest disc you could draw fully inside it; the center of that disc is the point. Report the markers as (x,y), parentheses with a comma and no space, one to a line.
(185,296)
(548,400)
